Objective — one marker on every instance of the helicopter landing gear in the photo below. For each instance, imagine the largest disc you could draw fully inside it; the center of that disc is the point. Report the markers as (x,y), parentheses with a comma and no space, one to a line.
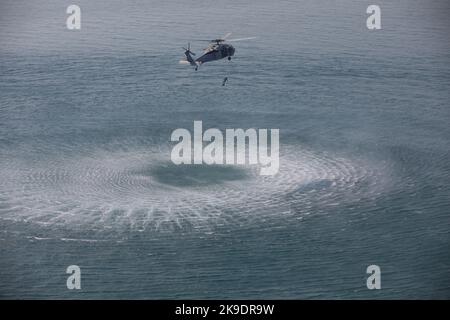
(229,58)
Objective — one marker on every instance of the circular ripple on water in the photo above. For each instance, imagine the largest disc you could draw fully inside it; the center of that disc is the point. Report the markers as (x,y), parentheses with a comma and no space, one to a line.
(138,188)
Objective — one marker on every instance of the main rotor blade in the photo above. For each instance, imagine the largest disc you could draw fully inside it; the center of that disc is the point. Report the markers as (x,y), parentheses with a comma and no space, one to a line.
(226,36)
(241,39)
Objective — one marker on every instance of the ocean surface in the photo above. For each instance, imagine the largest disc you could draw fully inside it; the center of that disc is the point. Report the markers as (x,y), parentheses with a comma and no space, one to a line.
(85,171)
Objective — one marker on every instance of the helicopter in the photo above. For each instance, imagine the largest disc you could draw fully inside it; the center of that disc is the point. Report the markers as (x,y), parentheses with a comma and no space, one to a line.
(216,50)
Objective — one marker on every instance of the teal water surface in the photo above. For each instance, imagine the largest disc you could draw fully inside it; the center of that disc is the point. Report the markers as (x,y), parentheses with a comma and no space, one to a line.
(86,176)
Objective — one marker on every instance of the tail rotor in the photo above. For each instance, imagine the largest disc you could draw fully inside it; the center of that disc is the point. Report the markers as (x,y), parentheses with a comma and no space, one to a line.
(188,50)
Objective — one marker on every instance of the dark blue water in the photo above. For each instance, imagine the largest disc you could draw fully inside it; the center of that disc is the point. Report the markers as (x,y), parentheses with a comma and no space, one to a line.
(85,171)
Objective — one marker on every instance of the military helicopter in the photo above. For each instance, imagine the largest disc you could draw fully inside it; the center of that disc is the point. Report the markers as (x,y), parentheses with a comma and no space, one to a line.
(216,50)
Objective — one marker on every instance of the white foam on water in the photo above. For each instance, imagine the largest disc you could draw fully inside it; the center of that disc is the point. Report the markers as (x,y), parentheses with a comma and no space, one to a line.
(138,188)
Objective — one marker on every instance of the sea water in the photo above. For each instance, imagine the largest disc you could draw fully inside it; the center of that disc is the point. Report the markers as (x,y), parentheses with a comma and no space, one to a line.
(86,177)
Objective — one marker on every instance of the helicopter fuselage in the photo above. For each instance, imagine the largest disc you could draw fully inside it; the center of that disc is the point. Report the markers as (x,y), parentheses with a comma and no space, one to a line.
(216,51)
